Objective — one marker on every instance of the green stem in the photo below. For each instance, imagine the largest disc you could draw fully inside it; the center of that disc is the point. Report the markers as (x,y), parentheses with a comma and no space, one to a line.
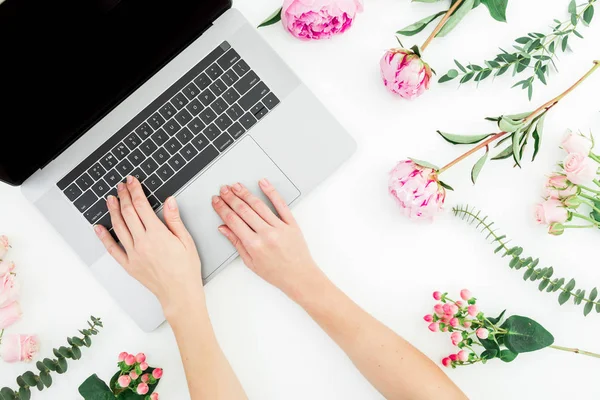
(439,26)
(576,351)
(589,189)
(597,182)
(1,334)
(586,218)
(594,157)
(578,226)
(591,204)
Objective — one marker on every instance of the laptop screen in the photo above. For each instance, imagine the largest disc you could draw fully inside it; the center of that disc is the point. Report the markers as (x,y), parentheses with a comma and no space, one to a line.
(65,64)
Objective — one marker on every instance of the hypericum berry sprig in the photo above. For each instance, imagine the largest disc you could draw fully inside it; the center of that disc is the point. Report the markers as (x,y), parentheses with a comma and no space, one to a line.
(480,338)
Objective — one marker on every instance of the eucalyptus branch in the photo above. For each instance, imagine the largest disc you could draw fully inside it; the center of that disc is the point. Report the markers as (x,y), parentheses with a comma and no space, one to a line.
(532,272)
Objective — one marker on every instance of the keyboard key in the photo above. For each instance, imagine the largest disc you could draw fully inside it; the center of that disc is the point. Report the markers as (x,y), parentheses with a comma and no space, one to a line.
(218,87)
(160,156)
(97,171)
(147,191)
(186,173)
(241,68)
(156,121)
(223,122)
(253,96)
(208,115)
(124,167)
(72,192)
(191,91)
(214,71)
(207,97)
(105,222)
(139,174)
(173,146)
(257,108)
(188,152)
(112,177)
(247,82)
(194,107)
(219,106)
(132,141)
(160,137)
(108,161)
(111,192)
(196,126)
(184,135)
(84,181)
(136,157)
(148,147)
(179,101)
(144,130)
(94,213)
(152,182)
(236,130)
(235,111)
(167,111)
(223,142)
(263,111)
(154,203)
(120,151)
(172,127)
(200,142)
(212,131)
(202,81)
(85,201)
(165,172)
(230,78)
(183,117)
(176,162)
(248,120)
(229,59)
(149,166)
(231,96)
(100,188)
(270,101)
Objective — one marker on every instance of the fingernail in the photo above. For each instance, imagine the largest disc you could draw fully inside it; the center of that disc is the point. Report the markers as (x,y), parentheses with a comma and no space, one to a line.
(112,200)
(171,203)
(224,189)
(98,229)
(120,186)
(216,199)
(130,179)
(264,182)
(222,230)
(237,187)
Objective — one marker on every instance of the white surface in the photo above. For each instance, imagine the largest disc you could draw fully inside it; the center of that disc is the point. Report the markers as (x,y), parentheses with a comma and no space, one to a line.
(386,263)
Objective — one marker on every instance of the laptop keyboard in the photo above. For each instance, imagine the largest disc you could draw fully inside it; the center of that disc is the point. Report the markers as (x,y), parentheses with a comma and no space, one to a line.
(175,137)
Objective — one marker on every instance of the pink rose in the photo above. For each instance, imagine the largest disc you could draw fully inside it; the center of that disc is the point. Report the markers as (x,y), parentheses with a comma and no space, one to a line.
(6,267)
(551,211)
(319,19)
(405,73)
(10,314)
(9,290)
(417,190)
(18,348)
(558,187)
(4,246)
(580,169)
(573,143)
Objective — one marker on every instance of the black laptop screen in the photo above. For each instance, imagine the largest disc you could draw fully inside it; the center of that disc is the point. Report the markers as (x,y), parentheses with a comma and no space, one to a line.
(64,64)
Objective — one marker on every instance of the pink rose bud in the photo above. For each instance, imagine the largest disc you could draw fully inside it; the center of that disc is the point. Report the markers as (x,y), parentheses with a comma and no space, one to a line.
(122,356)
(551,211)
(405,73)
(319,19)
(573,143)
(465,294)
(556,229)
(453,322)
(140,357)
(142,388)
(9,290)
(580,169)
(146,378)
(437,295)
(144,366)
(572,202)
(130,360)
(428,318)
(438,309)
(456,338)
(416,190)
(446,362)
(124,381)
(9,315)
(154,396)
(462,356)
(482,333)
(472,310)
(453,357)
(434,326)
(18,348)
(6,267)
(4,246)
(467,324)
(133,375)
(157,373)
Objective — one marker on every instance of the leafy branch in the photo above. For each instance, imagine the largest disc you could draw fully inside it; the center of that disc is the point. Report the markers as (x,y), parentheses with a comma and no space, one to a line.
(535,52)
(532,271)
(59,364)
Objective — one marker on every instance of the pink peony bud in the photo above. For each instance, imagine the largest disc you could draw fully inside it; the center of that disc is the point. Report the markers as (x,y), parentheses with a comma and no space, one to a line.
(465,294)
(146,378)
(122,356)
(4,245)
(446,362)
(144,366)
(9,315)
(573,143)
(556,229)
(428,318)
(456,338)
(9,290)
(453,322)
(438,309)
(434,326)
(472,310)
(130,360)
(462,356)
(140,357)
(453,357)
(437,295)
(154,396)
(319,19)
(482,333)
(580,169)
(405,73)
(133,375)
(551,211)
(157,373)
(18,348)
(416,190)
(124,381)
(467,324)
(142,388)
(6,267)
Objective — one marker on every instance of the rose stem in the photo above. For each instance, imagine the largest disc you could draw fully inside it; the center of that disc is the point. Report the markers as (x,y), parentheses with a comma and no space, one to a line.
(439,27)
(576,351)
(544,108)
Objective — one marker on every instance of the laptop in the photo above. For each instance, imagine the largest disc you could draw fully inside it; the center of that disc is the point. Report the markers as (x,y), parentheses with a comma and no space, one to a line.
(184,95)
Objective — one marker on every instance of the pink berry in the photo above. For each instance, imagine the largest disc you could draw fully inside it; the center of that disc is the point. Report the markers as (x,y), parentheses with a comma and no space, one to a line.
(428,318)
(453,357)
(453,322)
(460,303)
(447,309)
(140,357)
(133,375)
(154,396)
(445,328)
(437,295)
(462,356)
(453,309)
(482,333)
(157,373)
(446,362)
(466,295)
(145,378)
(472,310)
(144,366)
(456,338)
(130,360)
(433,327)
(438,309)
(142,388)
(122,356)
(446,318)
(467,324)
(124,381)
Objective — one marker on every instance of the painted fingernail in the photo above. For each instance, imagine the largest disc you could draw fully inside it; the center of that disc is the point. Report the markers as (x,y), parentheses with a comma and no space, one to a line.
(130,179)
(171,203)
(224,189)
(216,199)
(237,187)
(264,182)
(98,229)
(120,186)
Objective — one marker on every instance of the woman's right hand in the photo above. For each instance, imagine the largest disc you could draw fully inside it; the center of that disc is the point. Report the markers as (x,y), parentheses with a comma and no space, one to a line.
(271,246)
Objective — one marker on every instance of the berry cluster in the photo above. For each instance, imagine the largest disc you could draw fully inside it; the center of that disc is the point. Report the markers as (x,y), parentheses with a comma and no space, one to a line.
(136,375)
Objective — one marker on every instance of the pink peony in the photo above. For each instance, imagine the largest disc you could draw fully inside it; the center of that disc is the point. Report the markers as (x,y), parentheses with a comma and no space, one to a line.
(467,324)
(9,315)
(18,348)
(157,373)
(551,211)
(453,357)
(453,322)
(124,381)
(142,388)
(6,267)
(580,169)
(405,73)
(4,246)
(9,290)
(573,143)
(319,19)
(417,190)
(438,309)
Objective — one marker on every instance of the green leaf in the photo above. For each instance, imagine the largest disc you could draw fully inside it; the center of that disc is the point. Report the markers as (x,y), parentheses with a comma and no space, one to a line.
(489,344)
(87,340)
(463,139)
(424,164)
(65,352)
(565,43)
(62,365)
(76,352)
(516,140)
(563,297)
(504,154)
(593,294)
(455,18)
(460,66)
(479,165)
(24,393)
(571,285)
(29,378)
(572,7)
(447,77)
(543,284)
(51,365)
(507,356)
(7,393)
(588,308)
(467,77)
(537,136)
(446,186)
(497,319)
(489,354)
(525,335)
(77,342)
(497,9)
(588,14)
(418,26)
(272,19)
(511,123)
(93,388)
(46,379)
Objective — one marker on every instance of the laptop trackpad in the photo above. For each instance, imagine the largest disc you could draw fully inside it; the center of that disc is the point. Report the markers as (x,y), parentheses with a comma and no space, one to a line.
(247,163)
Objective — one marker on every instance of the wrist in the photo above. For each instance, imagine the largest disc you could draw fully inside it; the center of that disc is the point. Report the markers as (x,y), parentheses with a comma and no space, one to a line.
(184,304)
(308,287)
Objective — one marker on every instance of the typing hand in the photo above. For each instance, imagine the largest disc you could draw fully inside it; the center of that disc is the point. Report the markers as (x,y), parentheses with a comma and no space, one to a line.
(271,246)
(163,258)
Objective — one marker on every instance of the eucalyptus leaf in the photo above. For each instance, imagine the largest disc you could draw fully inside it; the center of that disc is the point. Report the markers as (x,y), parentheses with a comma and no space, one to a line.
(272,19)
(418,26)
(456,17)
(463,139)
(588,14)
(525,335)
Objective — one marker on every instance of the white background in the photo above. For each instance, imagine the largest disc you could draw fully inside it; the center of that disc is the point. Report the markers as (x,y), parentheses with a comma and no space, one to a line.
(387,264)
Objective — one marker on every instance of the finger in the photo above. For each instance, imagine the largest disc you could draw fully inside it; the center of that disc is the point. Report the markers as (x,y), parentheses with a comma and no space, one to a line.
(132,220)
(237,243)
(242,209)
(174,222)
(257,204)
(232,220)
(111,245)
(140,203)
(118,223)
(278,202)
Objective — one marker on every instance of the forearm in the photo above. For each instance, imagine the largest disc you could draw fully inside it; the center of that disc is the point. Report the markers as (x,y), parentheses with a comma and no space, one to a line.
(209,374)
(391,364)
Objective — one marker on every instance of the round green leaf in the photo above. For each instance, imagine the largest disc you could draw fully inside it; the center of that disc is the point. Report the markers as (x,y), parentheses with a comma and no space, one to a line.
(24,393)
(7,393)
(62,365)
(46,379)
(525,335)
(29,378)
(50,364)
(507,356)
